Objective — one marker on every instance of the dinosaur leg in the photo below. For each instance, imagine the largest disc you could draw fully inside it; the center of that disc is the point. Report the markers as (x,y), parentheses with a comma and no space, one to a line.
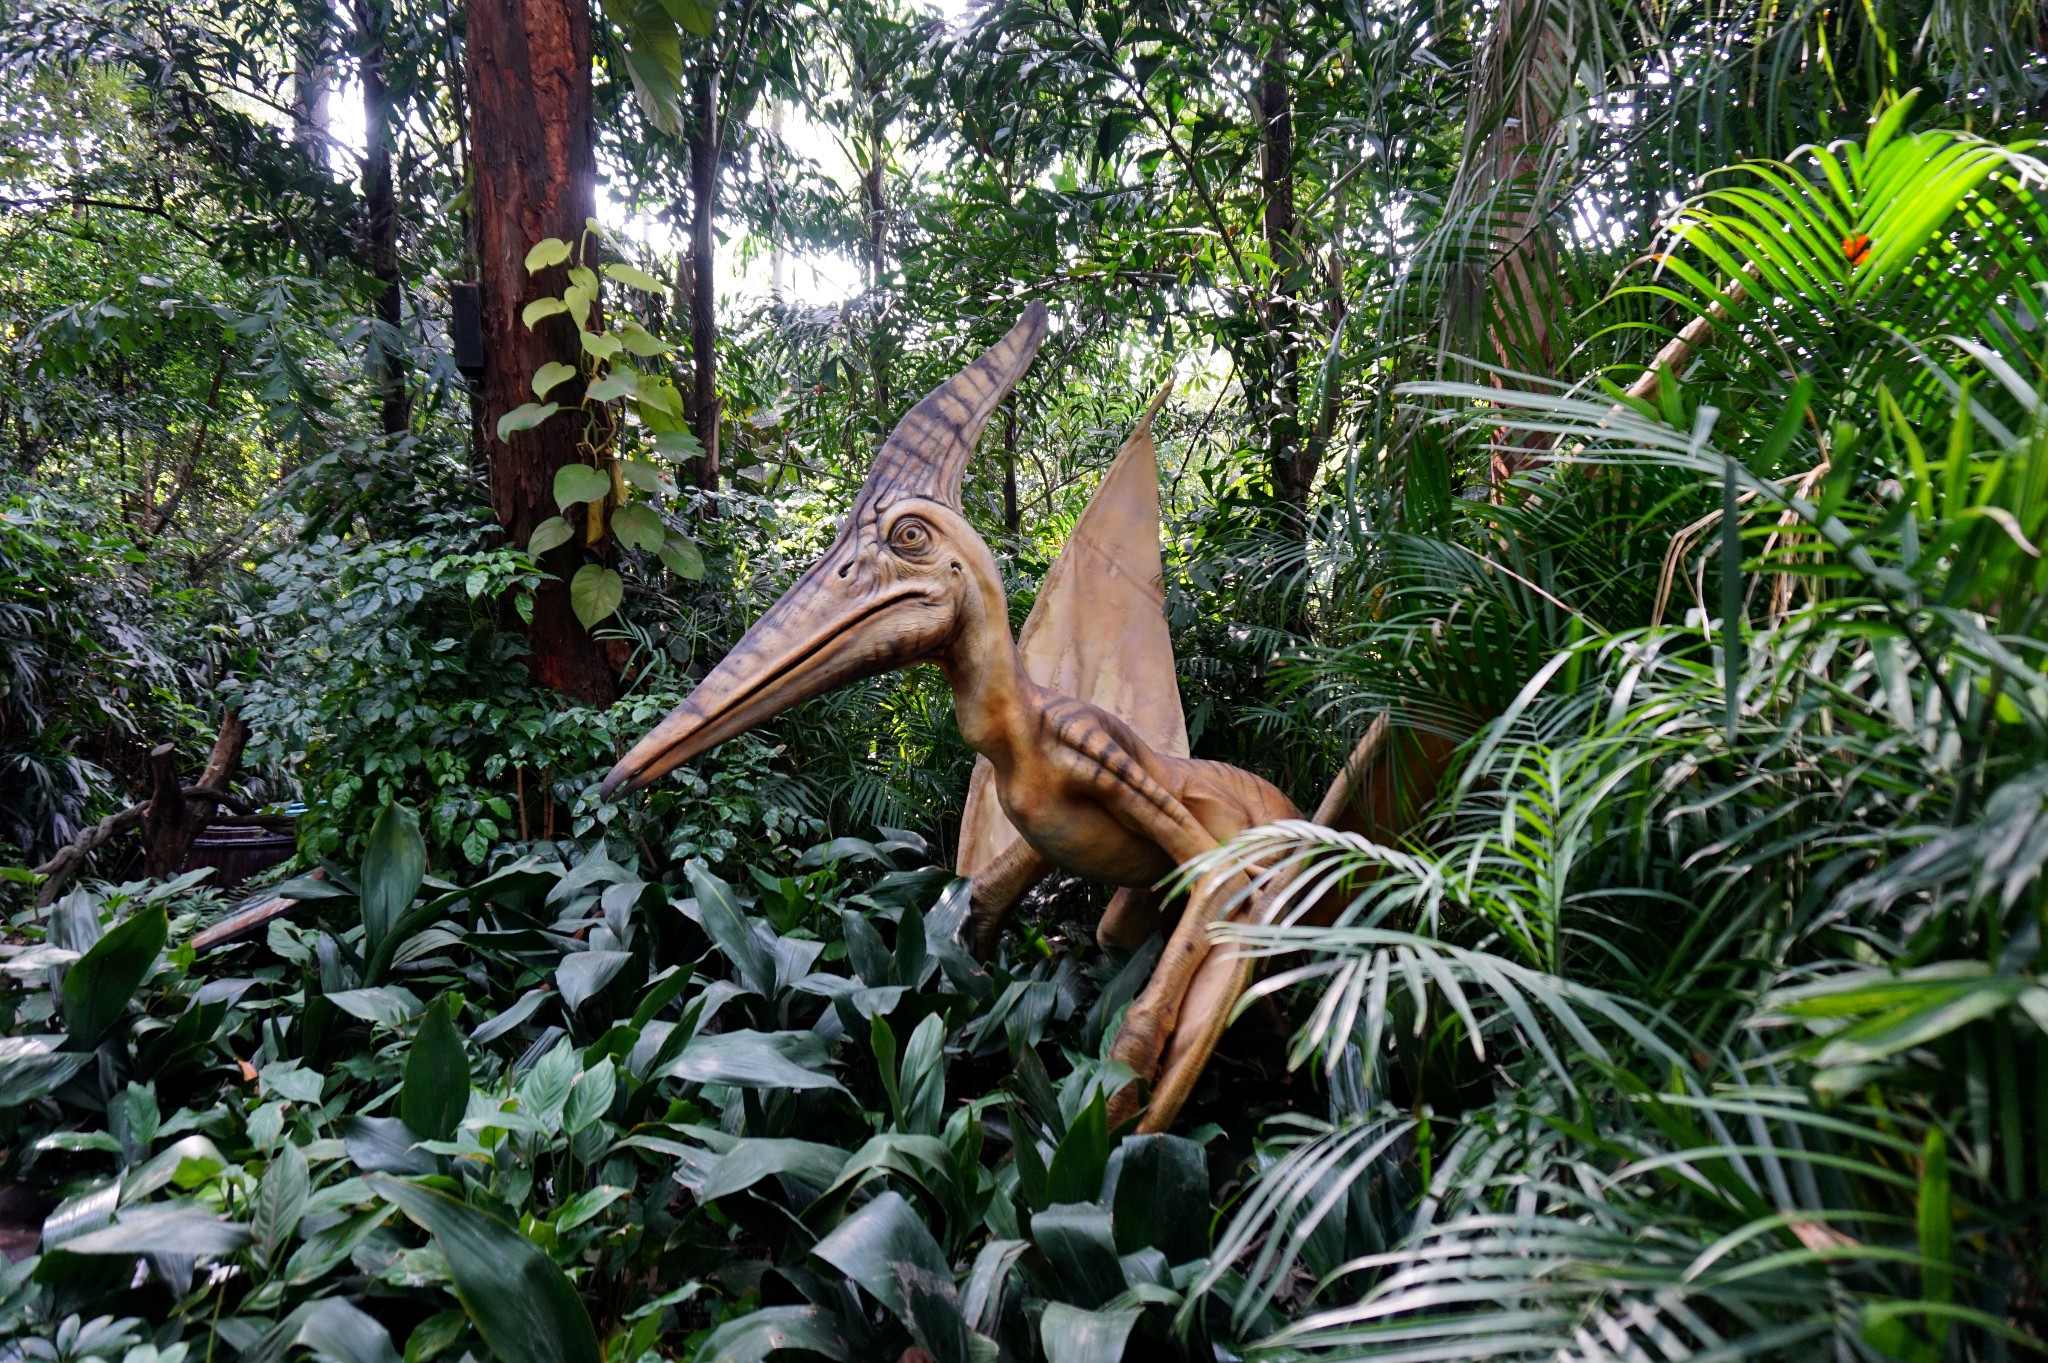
(1132,917)
(1152,1020)
(997,888)
(1219,981)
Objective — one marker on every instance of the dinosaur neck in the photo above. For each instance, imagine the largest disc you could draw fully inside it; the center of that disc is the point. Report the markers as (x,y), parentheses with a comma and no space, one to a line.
(993,698)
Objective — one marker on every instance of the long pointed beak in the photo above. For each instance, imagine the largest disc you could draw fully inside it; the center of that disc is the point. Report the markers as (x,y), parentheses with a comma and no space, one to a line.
(815,638)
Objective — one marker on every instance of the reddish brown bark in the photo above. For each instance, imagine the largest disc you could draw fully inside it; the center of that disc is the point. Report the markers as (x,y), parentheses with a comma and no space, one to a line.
(528,63)
(705,149)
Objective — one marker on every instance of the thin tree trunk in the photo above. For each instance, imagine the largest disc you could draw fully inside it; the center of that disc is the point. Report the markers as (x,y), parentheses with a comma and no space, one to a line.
(875,192)
(380,223)
(1509,124)
(704,156)
(535,172)
(1289,463)
(1011,521)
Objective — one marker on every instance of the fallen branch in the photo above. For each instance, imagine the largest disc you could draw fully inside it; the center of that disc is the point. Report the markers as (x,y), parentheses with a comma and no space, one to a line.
(59,869)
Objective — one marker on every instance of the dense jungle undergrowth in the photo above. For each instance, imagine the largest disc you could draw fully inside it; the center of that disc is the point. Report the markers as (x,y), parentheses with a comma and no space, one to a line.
(1643,404)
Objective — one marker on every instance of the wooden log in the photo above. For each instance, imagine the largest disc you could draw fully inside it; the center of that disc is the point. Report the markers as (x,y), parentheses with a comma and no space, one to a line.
(167,822)
(252,913)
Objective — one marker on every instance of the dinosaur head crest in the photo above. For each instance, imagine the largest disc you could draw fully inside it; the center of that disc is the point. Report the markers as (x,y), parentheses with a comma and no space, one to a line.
(888,592)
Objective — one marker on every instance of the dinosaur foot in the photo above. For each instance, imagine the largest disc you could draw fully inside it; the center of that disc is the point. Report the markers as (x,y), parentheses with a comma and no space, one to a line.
(1171,1055)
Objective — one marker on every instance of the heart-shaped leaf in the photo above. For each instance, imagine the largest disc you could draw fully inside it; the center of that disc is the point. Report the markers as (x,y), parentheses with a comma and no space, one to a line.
(682,557)
(594,593)
(547,251)
(619,383)
(541,308)
(602,344)
(551,533)
(661,396)
(638,527)
(640,474)
(636,278)
(579,302)
(677,445)
(550,375)
(639,339)
(525,417)
(580,483)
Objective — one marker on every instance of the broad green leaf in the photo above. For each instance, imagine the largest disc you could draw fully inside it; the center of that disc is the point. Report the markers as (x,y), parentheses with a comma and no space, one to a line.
(602,344)
(436,1089)
(1071,1335)
(748,1059)
(342,1332)
(100,983)
(1077,1241)
(636,278)
(582,973)
(660,403)
(1079,1161)
(384,1145)
(580,483)
(594,593)
(923,1085)
(325,1249)
(887,1250)
(619,383)
(579,303)
(679,444)
(545,252)
(522,1305)
(590,1096)
(697,16)
(639,339)
(166,1228)
(1161,1196)
(552,533)
(638,527)
(752,1159)
(550,375)
(751,1338)
(541,308)
(31,1066)
(385,1005)
(732,930)
(586,1205)
(280,1201)
(525,417)
(394,865)
(680,555)
(641,476)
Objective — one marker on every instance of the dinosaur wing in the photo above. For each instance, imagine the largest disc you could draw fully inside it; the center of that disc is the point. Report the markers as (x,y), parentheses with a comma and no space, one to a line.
(1098,630)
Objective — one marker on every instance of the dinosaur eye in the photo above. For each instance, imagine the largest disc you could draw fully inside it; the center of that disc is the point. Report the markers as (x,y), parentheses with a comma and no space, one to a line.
(910,536)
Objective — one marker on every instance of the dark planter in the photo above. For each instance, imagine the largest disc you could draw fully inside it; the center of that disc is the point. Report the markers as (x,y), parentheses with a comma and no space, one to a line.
(239,851)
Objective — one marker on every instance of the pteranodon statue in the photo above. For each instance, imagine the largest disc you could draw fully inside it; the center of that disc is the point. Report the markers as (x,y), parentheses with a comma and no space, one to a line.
(909,581)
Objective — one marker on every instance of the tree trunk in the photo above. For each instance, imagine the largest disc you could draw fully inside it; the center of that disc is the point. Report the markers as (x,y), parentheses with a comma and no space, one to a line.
(1509,124)
(1011,521)
(875,192)
(1290,465)
(535,173)
(379,247)
(704,155)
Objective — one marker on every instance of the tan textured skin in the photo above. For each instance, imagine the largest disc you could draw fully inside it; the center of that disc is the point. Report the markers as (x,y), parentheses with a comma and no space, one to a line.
(909,581)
